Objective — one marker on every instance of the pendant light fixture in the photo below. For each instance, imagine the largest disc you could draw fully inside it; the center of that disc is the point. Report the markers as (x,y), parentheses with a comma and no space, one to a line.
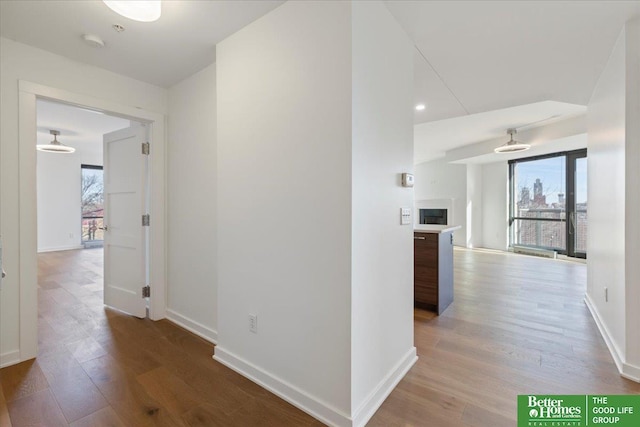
(138,10)
(512,146)
(55,146)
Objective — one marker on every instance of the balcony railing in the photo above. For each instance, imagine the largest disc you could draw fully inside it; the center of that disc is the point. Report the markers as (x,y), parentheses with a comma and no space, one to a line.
(546,228)
(92,229)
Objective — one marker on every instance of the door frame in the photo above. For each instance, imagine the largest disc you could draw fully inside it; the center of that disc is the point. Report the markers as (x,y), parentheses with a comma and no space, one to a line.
(28,93)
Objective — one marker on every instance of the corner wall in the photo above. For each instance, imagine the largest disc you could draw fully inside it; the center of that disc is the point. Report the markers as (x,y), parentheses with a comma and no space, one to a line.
(191,204)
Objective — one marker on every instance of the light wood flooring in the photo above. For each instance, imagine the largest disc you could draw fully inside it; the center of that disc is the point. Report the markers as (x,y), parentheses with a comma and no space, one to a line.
(518,325)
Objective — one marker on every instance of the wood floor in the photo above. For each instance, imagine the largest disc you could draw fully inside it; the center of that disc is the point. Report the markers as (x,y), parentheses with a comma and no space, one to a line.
(518,325)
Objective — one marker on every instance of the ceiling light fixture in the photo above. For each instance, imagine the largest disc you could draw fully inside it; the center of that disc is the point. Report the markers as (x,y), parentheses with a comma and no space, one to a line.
(420,107)
(55,146)
(143,11)
(512,146)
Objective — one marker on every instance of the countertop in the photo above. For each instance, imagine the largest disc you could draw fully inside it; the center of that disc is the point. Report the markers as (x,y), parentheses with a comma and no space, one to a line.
(436,229)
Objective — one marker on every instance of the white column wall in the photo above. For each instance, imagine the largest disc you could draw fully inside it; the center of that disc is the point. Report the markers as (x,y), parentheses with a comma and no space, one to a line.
(382,249)
(284,203)
(495,211)
(192,203)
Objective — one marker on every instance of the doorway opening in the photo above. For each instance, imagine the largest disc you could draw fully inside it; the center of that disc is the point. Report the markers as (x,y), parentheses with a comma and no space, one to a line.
(79,194)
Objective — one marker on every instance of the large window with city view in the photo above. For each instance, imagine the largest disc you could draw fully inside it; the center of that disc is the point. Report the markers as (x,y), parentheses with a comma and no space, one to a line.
(92,206)
(548,202)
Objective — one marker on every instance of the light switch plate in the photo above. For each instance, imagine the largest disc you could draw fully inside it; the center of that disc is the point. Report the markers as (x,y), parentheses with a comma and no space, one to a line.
(405,216)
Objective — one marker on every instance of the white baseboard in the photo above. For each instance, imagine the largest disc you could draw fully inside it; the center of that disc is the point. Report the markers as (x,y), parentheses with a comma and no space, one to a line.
(61,248)
(298,398)
(377,396)
(618,358)
(9,358)
(631,372)
(627,370)
(192,326)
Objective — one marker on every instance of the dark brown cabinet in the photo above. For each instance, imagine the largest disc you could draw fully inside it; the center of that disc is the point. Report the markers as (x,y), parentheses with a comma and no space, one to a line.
(433,270)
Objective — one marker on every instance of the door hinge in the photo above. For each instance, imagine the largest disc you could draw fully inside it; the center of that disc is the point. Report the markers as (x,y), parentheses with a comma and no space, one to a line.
(146,291)
(146,220)
(146,148)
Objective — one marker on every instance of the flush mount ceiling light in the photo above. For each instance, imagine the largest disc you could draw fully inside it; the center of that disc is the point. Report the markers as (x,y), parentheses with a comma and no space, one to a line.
(512,145)
(55,146)
(420,107)
(143,11)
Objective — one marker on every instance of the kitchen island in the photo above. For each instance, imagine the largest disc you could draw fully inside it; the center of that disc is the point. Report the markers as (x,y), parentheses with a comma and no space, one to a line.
(433,266)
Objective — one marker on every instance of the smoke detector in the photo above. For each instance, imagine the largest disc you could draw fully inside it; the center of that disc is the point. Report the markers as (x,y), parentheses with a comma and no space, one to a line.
(93,40)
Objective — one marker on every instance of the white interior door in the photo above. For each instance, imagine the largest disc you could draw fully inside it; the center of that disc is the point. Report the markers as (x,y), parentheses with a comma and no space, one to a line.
(125,251)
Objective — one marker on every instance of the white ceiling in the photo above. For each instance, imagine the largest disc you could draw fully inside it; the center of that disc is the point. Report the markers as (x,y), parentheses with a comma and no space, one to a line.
(491,55)
(433,140)
(79,128)
(162,53)
(471,57)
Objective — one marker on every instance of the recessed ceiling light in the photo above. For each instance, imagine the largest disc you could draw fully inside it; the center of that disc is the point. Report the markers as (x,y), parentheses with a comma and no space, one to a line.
(93,40)
(143,11)
(420,107)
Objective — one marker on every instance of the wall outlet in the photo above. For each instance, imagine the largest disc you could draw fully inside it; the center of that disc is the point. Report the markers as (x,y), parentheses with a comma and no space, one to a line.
(253,323)
(606,294)
(71,235)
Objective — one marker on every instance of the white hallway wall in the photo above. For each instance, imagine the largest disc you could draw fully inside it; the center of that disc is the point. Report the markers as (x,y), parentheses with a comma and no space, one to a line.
(192,197)
(22,62)
(284,197)
(614,201)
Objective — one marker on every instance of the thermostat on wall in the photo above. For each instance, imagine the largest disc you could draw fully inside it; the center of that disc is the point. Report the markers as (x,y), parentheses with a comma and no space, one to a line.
(407,180)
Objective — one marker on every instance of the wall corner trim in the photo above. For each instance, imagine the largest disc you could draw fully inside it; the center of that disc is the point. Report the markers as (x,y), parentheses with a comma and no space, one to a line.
(192,326)
(618,358)
(384,388)
(298,398)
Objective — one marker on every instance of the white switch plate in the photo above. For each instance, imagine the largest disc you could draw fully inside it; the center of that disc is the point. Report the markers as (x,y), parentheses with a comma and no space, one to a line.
(405,216)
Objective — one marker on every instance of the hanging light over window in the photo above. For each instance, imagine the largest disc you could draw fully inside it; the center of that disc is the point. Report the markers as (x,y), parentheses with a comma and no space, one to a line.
(512,145)
(138,10)
(55,146)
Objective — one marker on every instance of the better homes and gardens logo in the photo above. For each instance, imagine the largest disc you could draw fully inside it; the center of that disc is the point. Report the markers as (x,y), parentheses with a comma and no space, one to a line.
(578,410)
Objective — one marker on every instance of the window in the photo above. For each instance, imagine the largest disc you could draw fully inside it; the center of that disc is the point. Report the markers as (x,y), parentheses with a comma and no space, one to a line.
(92,205)
(544,208)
